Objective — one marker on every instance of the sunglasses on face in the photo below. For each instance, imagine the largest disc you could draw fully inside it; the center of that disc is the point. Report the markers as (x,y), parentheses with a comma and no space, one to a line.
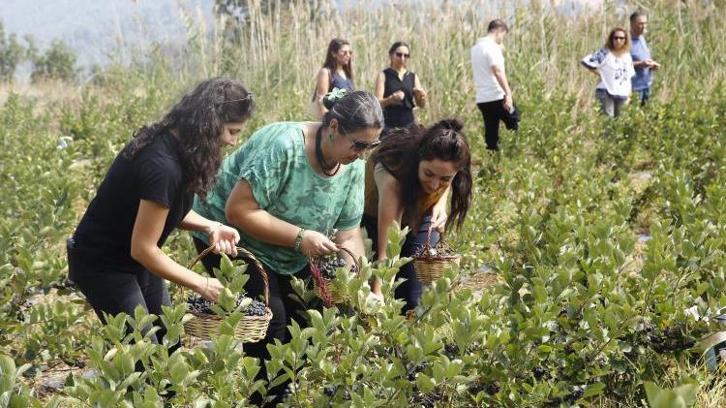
(346,52)
(403,55)
(618,38)
(359,146)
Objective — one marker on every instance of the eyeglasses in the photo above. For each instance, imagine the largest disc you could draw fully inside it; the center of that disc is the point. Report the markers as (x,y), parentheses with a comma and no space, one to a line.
(402,55)
(359,146)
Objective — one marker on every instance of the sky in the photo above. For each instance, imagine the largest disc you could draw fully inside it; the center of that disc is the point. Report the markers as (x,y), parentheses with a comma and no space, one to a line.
(100,31)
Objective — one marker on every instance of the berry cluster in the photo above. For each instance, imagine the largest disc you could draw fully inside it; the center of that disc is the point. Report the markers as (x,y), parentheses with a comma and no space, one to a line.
(415,370)
(451,351)
(256,308)
(539,372)
(329,264)
(201,305)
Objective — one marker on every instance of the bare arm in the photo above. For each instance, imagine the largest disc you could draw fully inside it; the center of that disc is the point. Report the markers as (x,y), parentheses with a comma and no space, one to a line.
(243,212)
(390,208)
(224,238)
(148,226)
(353,241)
(439,213)
(393,99)
(502,80)
(322,84)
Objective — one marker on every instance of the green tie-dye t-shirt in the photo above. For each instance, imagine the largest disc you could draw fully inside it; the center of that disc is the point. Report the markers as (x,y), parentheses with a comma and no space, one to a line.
(274,163)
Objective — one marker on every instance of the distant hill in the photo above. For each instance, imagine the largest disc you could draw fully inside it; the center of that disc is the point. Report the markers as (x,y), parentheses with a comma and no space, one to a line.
(96,29)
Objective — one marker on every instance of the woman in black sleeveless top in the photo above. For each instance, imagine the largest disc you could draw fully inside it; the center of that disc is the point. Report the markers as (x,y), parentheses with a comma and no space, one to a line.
(399,89)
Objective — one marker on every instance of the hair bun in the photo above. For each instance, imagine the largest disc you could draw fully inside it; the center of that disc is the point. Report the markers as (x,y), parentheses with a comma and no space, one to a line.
(451,123)
(332,97)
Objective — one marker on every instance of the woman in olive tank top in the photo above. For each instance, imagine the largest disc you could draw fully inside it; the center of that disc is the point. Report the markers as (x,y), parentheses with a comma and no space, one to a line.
(409,179)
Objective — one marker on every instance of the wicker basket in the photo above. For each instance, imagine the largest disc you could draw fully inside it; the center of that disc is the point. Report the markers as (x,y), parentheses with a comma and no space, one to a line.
(249,329)
(429,269)
(335,297)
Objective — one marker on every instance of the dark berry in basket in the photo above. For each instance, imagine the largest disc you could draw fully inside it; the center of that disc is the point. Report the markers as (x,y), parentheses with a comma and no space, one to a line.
(256,308)
(201,305)
(440,250)
(329,264)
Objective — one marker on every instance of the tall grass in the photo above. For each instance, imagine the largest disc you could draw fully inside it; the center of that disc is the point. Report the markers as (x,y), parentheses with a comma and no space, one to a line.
(278,53)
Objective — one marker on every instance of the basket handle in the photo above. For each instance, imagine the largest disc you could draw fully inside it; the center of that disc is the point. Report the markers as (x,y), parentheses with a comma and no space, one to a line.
(355,260)
(248,256)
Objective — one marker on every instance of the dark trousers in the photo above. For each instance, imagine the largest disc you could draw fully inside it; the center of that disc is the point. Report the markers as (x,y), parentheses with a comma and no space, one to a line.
(411,289)
(284,310)
(492,112)
(112,289)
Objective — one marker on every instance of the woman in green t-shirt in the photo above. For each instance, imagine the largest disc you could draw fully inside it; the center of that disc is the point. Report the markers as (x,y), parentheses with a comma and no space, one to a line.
(287,188)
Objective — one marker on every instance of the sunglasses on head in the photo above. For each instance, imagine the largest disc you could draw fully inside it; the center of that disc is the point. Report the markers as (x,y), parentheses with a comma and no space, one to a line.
(403,55)
(359,146)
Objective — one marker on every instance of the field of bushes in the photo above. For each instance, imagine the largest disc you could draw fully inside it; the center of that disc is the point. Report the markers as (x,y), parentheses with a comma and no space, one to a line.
(593,256)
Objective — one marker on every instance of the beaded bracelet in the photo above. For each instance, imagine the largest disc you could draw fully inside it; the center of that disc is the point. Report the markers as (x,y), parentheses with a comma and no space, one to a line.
(299,239)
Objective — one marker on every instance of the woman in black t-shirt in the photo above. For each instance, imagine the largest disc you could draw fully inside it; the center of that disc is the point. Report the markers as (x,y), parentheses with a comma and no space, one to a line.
(399,90)
(114,256)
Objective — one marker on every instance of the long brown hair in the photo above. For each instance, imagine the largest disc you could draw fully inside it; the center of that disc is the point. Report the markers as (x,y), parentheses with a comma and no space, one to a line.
(402,152)
(198,121)
(610,44)
(330,62)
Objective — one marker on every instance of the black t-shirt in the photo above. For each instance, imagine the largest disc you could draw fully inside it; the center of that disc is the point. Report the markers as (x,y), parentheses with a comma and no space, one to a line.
(154,174)
(399,115)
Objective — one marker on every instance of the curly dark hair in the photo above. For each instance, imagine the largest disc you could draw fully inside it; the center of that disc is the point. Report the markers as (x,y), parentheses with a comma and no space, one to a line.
(402,151)
(197,121)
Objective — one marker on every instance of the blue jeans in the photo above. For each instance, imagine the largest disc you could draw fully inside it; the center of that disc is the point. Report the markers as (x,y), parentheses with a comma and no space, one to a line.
(643,95)
(411,289)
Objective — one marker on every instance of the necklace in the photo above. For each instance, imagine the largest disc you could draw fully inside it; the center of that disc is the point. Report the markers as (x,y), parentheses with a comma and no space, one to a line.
(325,167)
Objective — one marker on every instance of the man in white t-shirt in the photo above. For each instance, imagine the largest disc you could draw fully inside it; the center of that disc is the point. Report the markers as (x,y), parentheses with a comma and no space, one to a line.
(493,95)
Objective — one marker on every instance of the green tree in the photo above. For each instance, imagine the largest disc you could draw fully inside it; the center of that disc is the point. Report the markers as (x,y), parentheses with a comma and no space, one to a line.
(12,53)
(58,62)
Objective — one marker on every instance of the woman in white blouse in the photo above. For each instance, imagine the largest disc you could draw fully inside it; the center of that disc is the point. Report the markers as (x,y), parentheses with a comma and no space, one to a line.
(614,66)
